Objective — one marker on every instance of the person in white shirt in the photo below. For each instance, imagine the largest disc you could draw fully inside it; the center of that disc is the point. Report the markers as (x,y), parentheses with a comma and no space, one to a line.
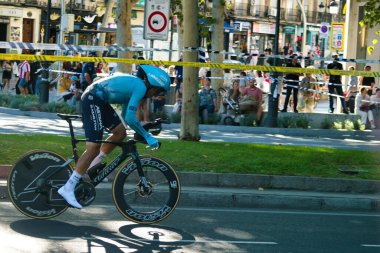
(362,107)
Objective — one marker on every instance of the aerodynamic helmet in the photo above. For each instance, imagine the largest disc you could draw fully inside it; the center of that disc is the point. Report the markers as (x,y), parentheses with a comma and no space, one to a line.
(157,77)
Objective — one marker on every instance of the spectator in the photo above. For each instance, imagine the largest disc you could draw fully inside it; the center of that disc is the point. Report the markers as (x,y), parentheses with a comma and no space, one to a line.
(367,81)
(77,92)
(77,68)
(64,87)
(363,107)
(293,80)
(243,81)
(308,98)
(227,78)
(7,76)
(179,71)
(375,106)
(251,101)
(309,61)
(335,83)
(99,68)
(234,92)
(24,70)
(207,101)
(88,72)
(178,99)
(352,91)
(286,48)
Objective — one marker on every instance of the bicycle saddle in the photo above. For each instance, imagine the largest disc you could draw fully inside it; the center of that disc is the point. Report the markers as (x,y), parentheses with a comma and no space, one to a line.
(68,116)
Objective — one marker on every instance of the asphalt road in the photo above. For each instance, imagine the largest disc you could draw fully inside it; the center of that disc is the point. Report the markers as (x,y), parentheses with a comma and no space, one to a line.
(10,123)
(100,228)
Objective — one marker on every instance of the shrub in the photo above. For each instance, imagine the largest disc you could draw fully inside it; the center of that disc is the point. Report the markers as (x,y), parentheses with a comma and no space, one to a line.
(327,123)
(175,118)
(358,125)
(286,122)
(248,120)
(302,122)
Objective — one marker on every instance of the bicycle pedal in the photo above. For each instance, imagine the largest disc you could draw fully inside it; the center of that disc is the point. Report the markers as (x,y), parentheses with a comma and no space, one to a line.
(85,193)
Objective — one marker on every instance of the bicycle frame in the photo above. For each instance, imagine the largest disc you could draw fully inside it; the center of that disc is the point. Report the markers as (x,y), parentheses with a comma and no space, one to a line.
(128,150)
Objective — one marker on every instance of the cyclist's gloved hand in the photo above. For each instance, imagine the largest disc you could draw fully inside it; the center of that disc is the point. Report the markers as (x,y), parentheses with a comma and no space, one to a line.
(152,142)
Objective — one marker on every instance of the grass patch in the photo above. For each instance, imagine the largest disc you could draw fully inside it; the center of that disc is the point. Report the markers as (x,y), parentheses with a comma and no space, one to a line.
(223,157)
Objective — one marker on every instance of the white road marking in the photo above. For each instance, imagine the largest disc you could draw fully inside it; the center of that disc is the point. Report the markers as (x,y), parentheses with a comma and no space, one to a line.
(145,240)
(279,212)
(371,245)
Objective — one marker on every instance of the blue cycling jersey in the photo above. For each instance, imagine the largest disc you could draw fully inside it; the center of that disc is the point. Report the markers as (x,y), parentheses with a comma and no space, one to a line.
(126,90)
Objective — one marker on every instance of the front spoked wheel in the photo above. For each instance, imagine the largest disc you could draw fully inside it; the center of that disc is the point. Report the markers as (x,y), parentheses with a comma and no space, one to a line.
(33,183)
(150,204)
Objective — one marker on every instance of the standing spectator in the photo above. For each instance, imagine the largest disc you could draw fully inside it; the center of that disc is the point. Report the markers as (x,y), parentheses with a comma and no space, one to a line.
(363,107)
(309,61)
(177,108)
(243,81)
(77,68)
(207,101)
(308,97)
(286,48)
(292,79)
(335,83)
(7,76)
(88,72)
(367,81)
(227,78)
(352,91)
(24,70)
(179,71)
(375,106)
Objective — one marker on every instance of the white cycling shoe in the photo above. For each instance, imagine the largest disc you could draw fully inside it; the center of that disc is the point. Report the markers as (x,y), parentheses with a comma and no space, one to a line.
(69,196)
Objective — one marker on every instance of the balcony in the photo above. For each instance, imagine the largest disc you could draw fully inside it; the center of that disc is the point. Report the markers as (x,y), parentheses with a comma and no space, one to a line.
(74,5)
(286,14)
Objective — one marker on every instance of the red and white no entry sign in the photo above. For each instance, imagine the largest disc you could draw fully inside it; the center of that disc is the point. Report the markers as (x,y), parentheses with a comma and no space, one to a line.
(157,21)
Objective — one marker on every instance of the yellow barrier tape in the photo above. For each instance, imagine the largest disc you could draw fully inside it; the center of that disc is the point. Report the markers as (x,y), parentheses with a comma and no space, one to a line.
(21,57)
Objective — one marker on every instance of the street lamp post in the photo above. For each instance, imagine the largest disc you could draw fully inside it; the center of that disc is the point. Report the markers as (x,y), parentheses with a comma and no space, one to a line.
(333,9)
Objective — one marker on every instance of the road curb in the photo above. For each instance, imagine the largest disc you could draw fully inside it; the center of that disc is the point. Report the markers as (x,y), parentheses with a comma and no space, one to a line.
(211,197)
(251,181)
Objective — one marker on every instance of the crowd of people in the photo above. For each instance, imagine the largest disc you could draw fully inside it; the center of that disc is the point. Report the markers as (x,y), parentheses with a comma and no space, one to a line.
(249,90)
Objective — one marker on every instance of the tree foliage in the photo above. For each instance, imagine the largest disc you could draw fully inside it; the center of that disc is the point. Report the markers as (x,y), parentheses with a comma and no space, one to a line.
(372,13)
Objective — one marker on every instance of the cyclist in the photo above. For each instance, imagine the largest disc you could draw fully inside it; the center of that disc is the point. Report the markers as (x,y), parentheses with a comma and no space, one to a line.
(98,114)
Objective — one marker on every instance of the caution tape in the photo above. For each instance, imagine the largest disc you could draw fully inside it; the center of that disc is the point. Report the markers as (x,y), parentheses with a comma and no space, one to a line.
(52,58)
(84,48)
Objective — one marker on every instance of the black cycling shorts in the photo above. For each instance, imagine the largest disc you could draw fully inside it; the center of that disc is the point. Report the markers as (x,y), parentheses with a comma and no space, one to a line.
(97,115)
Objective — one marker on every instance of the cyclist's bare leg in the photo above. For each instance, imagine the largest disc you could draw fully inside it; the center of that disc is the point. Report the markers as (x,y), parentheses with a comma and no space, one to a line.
(118,134)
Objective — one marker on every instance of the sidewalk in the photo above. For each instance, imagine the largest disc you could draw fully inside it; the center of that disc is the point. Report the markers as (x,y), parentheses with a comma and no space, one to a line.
(296,132)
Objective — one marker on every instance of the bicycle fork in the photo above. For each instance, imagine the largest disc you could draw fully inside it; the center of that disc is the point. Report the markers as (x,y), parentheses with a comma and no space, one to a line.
(145,188)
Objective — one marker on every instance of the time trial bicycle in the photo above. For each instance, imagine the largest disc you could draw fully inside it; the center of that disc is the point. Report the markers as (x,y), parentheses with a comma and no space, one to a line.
(145,189)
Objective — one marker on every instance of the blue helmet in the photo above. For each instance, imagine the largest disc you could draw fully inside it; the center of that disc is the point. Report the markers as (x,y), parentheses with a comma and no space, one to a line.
(157,77)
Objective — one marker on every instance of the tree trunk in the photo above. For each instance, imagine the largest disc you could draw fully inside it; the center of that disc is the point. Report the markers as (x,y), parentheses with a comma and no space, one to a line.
(124,31)
(190,100)
(217,43)
(107,14)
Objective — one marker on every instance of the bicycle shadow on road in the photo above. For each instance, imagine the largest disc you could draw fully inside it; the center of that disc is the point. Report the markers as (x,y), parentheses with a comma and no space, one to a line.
(142,238)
